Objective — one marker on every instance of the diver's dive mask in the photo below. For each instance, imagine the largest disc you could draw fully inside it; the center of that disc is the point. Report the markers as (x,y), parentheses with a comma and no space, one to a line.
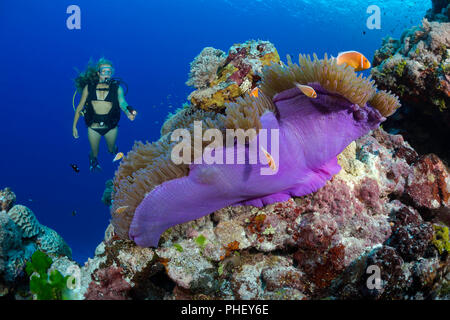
(105,71)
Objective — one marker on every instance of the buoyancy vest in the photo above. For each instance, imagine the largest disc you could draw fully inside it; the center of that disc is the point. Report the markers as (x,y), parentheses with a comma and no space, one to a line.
(111,119)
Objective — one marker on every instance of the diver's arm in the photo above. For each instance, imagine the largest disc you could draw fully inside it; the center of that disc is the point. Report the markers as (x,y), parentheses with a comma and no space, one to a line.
(80,106)
(78,110)
(123,104)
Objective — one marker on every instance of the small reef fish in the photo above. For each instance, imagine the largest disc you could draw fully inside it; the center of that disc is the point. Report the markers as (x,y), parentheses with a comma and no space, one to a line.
(353,59)
(307,90)
(270,159)
(75,167)
(118,156)
(254,92)
(74,213)
(120,210)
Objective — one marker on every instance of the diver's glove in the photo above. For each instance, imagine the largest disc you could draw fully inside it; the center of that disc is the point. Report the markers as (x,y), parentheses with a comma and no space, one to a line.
(131,110)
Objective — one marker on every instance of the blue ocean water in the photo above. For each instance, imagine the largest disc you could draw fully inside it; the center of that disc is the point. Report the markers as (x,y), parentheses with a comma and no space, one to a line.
(151,44)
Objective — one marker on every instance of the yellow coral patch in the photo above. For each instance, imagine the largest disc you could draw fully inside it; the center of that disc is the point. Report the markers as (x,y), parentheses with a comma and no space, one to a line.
(271,57)
(224,74)
(219,98)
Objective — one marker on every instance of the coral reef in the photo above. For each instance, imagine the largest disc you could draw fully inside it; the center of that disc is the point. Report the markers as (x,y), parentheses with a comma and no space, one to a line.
(221,78)
(440,11)
(46,284)
(418,63)
(417,69)
(110,286)
(346,103)
(204,67)
(376,226)
(7,199)
(318,246)
(25,219)
(21,235)
(106,197)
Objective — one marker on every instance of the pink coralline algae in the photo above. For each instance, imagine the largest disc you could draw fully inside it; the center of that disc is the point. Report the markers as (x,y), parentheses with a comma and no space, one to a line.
(108,284)
(429,183)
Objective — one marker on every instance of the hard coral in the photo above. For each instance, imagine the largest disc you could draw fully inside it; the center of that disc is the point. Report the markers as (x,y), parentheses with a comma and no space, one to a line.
(25,219)
(220,79)
(415,68)
(7,199)
(441,239)
(204,67)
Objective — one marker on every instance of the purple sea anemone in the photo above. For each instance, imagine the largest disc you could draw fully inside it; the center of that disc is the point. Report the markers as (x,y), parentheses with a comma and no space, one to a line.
(311,133)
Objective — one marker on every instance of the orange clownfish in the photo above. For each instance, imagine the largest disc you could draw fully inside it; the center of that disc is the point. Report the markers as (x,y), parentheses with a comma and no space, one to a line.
(118,156)
(120,210)
(353,59)
(270,160)
(307,90)
(254,92)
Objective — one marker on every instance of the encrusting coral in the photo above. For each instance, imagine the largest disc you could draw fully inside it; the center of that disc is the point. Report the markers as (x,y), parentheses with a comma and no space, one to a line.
(158,194)
(416,67)
(220,78)
(21,235)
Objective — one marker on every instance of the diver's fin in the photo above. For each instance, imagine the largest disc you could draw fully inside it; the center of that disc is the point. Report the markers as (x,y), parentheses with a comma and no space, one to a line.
(93,164)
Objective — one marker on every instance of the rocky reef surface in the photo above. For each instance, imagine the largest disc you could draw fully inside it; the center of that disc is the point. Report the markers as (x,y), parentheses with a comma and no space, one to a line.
(388,209)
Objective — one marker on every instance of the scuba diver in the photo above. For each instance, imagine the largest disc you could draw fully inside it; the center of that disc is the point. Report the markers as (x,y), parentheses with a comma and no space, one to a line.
(101,101)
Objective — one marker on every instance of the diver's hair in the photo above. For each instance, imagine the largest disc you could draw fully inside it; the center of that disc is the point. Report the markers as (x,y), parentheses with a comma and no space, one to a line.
(89,75)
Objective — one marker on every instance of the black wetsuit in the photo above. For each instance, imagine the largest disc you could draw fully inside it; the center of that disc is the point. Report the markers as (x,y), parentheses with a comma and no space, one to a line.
(111,119)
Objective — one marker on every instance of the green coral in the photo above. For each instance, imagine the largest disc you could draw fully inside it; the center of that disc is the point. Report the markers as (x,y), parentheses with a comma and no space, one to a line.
(46,286)
(441,238)
(400,68)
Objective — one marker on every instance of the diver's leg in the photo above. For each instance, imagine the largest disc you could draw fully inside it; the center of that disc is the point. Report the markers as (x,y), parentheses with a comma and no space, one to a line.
(111,138)
(94,140)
